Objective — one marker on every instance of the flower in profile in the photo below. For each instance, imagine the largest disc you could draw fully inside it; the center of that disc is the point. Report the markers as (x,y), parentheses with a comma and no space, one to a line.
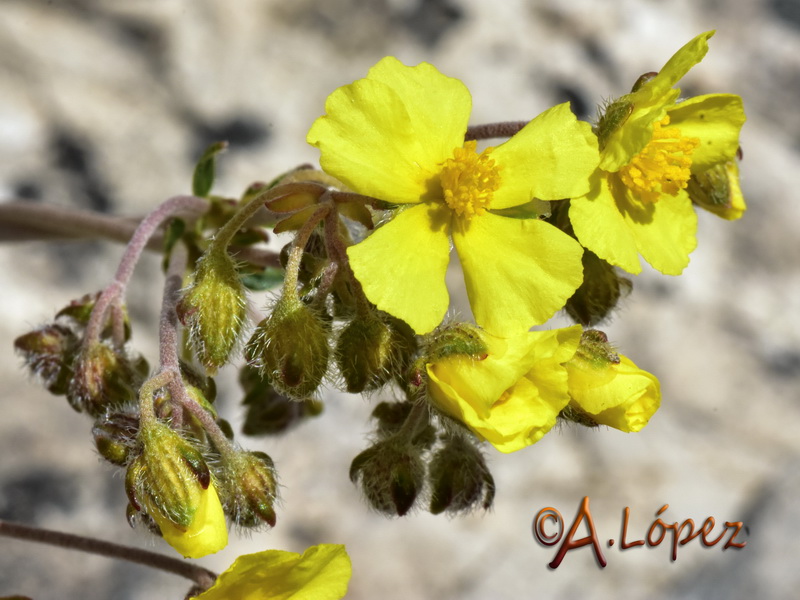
(322,573)
(205,534)
(651,146)
(513,395)
(616,394)
(398,135)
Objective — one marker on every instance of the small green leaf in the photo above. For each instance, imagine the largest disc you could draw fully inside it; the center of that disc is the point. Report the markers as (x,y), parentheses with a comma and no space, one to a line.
(203,178)
(174,232)
(269,278)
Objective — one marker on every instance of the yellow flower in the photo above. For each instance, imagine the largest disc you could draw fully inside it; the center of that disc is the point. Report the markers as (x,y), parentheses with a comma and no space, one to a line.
(620,395)
(650,147)
(205,534)
(398,135)
(512,397)
(321,573)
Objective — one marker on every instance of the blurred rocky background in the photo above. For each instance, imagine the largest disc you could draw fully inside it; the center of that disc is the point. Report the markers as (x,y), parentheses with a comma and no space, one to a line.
(106,105)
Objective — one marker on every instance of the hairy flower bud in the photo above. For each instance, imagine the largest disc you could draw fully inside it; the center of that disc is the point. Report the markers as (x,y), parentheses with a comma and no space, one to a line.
(390,473)
(269,412)
(249,487)
(599,293)
(171,482)
(103,378)
(391,416)
(49,353)
(459,478)
(214,308)
(371,350)
(717,190)
(115,437)
(290,347)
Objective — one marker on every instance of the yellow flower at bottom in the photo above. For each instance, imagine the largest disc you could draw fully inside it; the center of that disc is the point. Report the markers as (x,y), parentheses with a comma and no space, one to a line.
(207,532)
(321,573)
(620,395)
(512,397)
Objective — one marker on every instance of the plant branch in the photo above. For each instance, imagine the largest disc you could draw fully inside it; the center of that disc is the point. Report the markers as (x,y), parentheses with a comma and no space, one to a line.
(494,130)
(203,577)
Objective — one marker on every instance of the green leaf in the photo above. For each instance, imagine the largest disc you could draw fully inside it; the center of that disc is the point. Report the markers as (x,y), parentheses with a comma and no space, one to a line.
(269,278)
(203,177)
(174,232)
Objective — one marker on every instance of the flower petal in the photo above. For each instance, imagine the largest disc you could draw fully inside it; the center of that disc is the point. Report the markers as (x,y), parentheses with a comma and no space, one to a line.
(617,227)
(518,272)
(649,104)
(461,380)
(600,227)
(550,158)
(401,266)
(621,395)
(206,534)
(321,573)
(385,136)
(716,120)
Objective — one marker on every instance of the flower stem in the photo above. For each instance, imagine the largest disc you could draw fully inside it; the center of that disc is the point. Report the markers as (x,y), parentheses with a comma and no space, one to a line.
(203,577)
(493,130)
(112,294)
(298,247)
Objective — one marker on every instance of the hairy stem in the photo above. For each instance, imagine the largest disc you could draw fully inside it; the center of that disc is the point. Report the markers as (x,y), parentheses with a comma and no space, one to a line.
(116,290)
(494,130)
(203,577)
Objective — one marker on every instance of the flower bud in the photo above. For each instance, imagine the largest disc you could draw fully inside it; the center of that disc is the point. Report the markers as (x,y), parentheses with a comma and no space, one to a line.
(269,412)
(391,416)
(249,488)
(115,437)
(607,388)
(717,190)
(103,379)
(290,347)
(214,308)
(171,482)
(599,293)
(49,353)
(390,473)
(459,478)
(371,350)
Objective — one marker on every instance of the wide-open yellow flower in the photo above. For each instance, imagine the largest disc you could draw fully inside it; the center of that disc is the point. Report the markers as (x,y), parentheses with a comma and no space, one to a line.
(620,395)
(651,147)
(398,135)
(321,573)
(513,396)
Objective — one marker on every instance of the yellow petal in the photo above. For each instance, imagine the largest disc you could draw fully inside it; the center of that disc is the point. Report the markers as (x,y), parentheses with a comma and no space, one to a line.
(621,395)
(550,158)
(321,573)
(467,388)
(601,228)
(206,534)
(650,104)
(438,106)
(715,120)
(402,265)
(518,272)
(522,413)
(617,227)
(385,136)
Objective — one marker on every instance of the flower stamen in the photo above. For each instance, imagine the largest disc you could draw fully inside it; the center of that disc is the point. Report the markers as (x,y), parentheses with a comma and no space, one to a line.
(663,166)
(469,179)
